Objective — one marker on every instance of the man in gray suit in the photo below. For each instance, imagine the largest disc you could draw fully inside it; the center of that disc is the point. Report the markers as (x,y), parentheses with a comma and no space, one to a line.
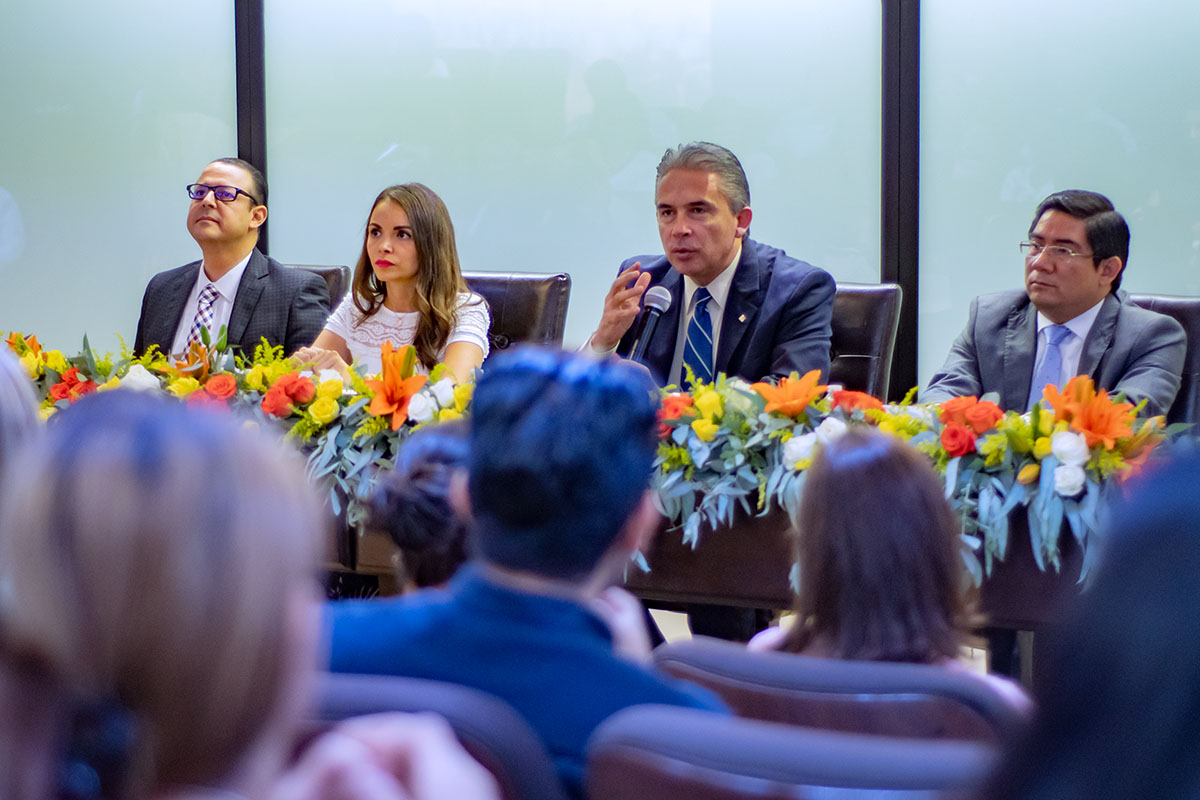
(1070,320)
(234,285)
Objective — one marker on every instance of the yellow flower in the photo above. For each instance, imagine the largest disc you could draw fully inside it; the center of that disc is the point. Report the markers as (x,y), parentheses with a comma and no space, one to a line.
(993,448)
(182,387)
(1041,447)
(462,395)
(112,383)
(1029,474)
(277,369)
(256,377)
(708,403)
(331,389)
(447,414)
(325,409)
(32,365)
(45,412)
(55,360)
(705,429)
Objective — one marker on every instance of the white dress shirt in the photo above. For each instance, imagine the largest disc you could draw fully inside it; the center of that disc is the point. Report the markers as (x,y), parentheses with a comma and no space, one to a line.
(718,287)
(1072,347)
(222,308)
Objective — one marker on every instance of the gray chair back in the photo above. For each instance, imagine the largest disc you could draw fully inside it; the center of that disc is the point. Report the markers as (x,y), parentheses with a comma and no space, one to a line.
(488,728)
(336,277)
(525,306)
(1186,310)
(869,697)
(865,317)
(671,753)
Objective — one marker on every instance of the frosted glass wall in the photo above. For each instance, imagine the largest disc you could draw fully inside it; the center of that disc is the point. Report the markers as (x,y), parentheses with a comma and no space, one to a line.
(540,123)
(109,110)
(1022,98)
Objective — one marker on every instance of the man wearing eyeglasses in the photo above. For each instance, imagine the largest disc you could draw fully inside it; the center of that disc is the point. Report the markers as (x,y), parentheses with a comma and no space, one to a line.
(234,285)
(1070,320)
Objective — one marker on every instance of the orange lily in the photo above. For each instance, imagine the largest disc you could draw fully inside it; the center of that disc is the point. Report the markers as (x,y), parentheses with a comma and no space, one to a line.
(15,339)
(396,385)
(791,395)
(1090,412)
(194,363)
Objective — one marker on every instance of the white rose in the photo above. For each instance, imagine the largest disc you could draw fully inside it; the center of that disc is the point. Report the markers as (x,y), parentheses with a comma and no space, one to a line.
(739,401)
(799,448)
(329,375)
(1069,480)
(443,392)
(1070,448)
(420,408)
(139,379)
(830,429)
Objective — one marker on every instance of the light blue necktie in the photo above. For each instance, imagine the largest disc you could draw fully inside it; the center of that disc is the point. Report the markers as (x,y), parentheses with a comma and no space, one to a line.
(1051,369)
(698,349)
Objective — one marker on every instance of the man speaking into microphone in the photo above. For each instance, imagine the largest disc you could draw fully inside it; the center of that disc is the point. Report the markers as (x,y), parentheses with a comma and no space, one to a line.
(736,306)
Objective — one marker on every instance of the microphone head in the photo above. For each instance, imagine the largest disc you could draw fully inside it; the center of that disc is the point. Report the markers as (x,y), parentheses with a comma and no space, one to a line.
(658,298)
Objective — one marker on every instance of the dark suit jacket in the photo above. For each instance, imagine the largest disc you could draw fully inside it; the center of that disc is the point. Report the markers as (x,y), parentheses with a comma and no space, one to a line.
(1129,349)
(777,317)
(287,306)
(548,657)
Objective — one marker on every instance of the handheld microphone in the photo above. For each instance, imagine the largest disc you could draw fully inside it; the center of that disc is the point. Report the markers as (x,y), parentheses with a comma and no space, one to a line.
(656,302)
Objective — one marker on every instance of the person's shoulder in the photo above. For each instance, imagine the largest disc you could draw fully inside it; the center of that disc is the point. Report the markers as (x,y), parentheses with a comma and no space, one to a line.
(637,683)
(1132,315)
(170,275)
(782,267)
(283,275)
(995,308)
(655,265)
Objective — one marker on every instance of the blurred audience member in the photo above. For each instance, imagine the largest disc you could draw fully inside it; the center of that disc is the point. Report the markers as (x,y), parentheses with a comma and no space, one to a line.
(413,505)
(560,454)
(1119,711)
(18,406)
(880,572)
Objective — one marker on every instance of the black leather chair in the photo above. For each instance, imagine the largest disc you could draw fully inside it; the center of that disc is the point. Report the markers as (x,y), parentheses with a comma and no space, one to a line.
(526,307)
(865,317)
(671,753)
(337,277)
(1186,407)
(488,728)
(911,700)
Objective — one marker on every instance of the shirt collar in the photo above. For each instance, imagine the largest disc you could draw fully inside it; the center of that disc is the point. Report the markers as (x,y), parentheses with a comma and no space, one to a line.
(227,284)
(1081,325)
(718,287)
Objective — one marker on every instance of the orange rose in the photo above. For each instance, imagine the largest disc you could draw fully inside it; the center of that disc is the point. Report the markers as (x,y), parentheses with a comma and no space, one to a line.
(222,385)
(276,402)
(674,406)
(299,388)
(853,401)
(955,409)
(957,440)
(983,416)
(71,387)
(205,400)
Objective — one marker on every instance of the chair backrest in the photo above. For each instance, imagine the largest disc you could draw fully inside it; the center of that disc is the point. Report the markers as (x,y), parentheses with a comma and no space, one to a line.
(336,276)
(526,306)
(1186,310)
(490,730)
(913,700)
(865,317)
(673,753)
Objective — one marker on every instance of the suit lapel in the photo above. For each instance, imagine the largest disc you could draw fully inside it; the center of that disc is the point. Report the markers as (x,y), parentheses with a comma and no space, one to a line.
(249,289)
(742,305)
(1020,347)
(661,353)
(171,311)
(1099,337)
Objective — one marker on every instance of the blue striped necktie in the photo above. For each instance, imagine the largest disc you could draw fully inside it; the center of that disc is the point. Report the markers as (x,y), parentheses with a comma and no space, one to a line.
(1050,372)
(698,349)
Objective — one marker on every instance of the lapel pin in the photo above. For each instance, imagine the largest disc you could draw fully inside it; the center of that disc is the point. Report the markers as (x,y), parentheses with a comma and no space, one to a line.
(742,318)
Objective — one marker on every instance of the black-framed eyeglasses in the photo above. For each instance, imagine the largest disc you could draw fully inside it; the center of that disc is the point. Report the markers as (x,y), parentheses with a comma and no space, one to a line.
(1034,249)
(226,194)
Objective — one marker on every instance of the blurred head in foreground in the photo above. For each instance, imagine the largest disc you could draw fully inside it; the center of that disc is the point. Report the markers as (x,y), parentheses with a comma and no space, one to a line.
(561,448)
(1119,712)
(18,406)
(878,548)
(157,605)
(413,505)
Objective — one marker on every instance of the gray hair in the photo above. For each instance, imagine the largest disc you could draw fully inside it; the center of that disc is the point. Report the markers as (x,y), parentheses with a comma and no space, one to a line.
(709,157)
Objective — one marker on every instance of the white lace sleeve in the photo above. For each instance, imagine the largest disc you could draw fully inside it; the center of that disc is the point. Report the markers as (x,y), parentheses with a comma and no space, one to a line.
(472,323)
(341,321)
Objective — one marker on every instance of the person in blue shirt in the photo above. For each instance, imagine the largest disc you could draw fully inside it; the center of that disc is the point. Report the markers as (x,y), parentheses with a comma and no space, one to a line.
(560,455)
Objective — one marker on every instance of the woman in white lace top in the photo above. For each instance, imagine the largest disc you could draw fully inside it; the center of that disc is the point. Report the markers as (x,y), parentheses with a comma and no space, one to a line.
(407,289)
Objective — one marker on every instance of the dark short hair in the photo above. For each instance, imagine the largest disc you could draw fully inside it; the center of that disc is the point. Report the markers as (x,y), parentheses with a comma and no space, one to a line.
(256,177)
(561,452)
(880,572)
(1121,675)
(412,504)
(1107,231)
(709,157)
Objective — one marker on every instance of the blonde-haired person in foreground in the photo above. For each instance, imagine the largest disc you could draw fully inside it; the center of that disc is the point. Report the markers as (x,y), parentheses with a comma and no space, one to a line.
(158,611)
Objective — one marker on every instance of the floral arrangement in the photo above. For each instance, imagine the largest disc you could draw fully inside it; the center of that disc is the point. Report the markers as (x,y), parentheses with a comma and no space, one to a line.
(348,430)
(731,444)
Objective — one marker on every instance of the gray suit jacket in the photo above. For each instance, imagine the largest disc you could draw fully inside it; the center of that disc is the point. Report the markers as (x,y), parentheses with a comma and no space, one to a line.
(287,306)
(1129,350)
